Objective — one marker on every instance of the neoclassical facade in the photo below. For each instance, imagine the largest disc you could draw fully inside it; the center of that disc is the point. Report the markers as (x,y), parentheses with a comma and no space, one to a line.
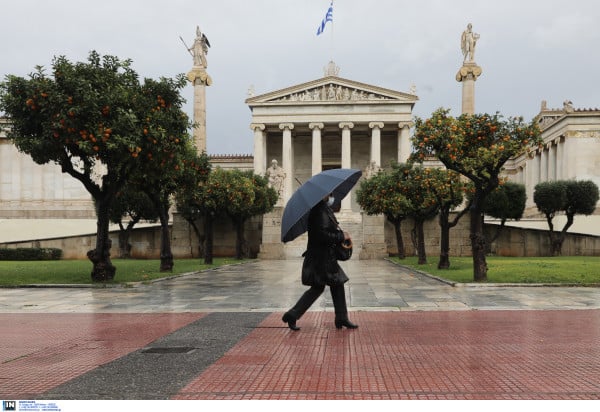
(328,123)
(570,150)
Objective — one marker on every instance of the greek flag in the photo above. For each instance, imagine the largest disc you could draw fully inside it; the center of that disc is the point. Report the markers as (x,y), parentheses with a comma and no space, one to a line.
(328,17)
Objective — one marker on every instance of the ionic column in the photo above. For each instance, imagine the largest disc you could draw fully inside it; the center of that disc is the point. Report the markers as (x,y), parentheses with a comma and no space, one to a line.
(537,168)
(376,142)
(560,159)
(551,161)
(530,179)
(317,161)
(404,148)
(346,157)
(467,75)
(260,164)
(543,165)
(287,158)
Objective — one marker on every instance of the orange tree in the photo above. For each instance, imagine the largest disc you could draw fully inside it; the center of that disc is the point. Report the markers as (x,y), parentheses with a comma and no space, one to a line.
(161,183)
(476,146)
(380,194)
(448,190)
(210,199)
(129,207)
(242,207)
(188,196)
(411,181)
(95,118)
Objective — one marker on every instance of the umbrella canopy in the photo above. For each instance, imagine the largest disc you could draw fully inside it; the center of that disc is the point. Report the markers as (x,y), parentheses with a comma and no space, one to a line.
(295,215)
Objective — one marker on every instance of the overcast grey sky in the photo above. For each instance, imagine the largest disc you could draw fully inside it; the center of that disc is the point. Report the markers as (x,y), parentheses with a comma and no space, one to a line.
(529,50)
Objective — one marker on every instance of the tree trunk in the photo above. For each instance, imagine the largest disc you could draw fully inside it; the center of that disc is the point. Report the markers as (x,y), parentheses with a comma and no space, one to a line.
(420,242)
(124,235)
(444,262)
(413,238)
(200,237)
(208,232)
(166,255)
(399,241)
(478,244)
(555,242)
(124,246)
(558,241)
(240,243)
(103,269)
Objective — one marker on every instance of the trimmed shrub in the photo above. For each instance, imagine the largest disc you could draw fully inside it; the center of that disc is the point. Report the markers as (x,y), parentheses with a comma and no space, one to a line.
(34,253)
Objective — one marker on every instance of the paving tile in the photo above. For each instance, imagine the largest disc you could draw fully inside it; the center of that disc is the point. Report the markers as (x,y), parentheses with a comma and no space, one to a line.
(418,338)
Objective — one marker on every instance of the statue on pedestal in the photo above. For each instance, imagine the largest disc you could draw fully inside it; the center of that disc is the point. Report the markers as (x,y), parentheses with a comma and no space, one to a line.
(276,174)
(468,41)
(199,49)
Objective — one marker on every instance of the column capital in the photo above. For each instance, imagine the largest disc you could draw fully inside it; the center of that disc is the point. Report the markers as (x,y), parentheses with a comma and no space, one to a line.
(289,126)
(257,126)
(373,125)
(402,125)
(316,126)
(344,125)
(469,71)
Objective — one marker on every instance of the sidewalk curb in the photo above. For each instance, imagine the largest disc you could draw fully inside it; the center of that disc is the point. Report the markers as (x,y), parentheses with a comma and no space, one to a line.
(492,285)
(113,285)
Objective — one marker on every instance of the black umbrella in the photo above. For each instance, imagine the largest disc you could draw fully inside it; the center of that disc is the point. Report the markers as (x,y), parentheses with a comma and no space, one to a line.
(295,215)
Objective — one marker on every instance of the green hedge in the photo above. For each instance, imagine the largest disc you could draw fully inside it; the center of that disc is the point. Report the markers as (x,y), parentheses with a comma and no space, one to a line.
(34,253)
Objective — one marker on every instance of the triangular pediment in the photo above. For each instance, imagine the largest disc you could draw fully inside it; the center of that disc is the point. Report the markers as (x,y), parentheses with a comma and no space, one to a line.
(332,89)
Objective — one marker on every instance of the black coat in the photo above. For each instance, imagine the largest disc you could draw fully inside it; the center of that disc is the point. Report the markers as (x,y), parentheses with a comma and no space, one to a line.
(320,266)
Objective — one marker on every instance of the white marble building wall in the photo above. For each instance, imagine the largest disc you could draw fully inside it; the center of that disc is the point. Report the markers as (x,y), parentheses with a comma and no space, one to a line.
(29,190)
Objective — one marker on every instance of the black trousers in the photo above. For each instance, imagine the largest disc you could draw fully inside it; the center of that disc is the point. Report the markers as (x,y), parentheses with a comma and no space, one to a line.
(309,297)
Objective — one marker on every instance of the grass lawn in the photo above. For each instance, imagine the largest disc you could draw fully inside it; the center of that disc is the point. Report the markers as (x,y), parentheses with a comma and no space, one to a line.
(577,270)
(14,273)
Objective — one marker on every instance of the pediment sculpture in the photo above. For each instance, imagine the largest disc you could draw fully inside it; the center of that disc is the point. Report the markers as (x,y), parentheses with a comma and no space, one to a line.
(330,92)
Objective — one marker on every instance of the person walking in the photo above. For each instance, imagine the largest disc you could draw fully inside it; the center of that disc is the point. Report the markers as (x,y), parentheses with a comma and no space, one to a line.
(320,267)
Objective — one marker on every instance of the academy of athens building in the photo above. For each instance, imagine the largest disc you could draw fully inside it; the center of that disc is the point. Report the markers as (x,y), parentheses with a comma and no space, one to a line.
(323,124)
(326,123)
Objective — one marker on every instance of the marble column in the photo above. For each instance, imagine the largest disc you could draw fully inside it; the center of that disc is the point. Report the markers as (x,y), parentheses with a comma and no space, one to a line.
(287,158)
(560,159)
(530,179)
(551,161)
(346,157)
(200,79)
(543,165)
(404,146)
(467,75)
(317,155)
(376,142)
(537,168)
(260,165)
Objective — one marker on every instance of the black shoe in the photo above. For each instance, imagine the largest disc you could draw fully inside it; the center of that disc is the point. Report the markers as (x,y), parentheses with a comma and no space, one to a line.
(291,321)
(345,322)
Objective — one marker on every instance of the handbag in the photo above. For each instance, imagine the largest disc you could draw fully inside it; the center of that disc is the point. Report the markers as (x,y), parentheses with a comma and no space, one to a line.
(343,250)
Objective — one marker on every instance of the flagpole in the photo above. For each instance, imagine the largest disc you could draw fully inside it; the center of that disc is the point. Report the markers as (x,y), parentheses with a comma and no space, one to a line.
(331,47)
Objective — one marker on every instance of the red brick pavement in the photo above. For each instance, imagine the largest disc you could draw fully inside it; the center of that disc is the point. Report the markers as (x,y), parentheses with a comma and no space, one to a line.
(41,351)
(413,355)
(393,355)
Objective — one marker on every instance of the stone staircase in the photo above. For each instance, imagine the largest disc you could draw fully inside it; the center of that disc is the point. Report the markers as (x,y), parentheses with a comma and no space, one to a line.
(350,222)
